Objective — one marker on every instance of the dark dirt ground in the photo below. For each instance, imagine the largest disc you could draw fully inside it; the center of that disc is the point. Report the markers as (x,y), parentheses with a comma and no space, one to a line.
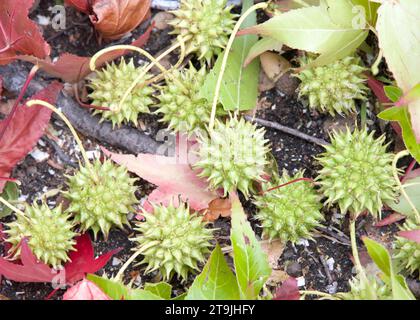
(323,264)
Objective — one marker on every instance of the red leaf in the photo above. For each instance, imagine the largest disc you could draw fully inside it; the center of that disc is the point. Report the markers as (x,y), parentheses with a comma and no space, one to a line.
(30,270)
(114,18)
(18,34)
(83,260)
(81,5)
(392,218)
(1,86)
(24,130)
(85,290)
(413,235)
(72,68)
(173,179)
(288,290)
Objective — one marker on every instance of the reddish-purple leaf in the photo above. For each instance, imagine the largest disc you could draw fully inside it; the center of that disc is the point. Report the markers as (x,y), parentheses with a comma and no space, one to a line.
(288,290)
(72,68)
(24,130)
(19,34)
(85,290)
(413,235)
(83,260)
(31,270)
(81,5)
(392,218)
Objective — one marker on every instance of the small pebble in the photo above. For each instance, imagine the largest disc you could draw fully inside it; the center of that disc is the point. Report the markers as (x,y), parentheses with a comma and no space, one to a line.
(39,155)
(42,20)
(303,242)
(300,281)
(332,288)
(330,263)
(116,261)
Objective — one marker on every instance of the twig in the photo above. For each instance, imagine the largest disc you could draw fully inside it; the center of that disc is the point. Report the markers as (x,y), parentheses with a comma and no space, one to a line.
(64,157)
(287,130)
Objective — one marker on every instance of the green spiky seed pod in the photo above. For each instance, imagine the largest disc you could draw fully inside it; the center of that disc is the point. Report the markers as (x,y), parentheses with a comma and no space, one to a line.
(357,172)
(180,102)
(291,212)
(334,87)
(172,240)
(109,87)
(233,155)
(205,24)
(49,232)
(407,252)
(101,195)
(370,288)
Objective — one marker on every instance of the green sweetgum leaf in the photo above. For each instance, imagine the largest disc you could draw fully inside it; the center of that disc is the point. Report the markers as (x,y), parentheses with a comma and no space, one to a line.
(393,93)
(161,289)
(10,192)
(332,30)
(382,259)
(216,281)
(251,263)
(239,89)
(402,115)
(263,45)
(412,188)
(398,29)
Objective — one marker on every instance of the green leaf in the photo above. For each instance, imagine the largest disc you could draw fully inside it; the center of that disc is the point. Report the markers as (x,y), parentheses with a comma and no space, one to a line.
(239,90)
(216,281)
(393,93)
(314,29)
(161,289)
(398,29)
(402,115)
(263,45)
(118,291)
(382,259)
(10,192)
(251,263)
(412,188)
(370,9)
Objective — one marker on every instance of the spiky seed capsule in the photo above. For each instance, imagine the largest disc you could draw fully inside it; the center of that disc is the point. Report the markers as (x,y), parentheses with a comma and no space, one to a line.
(109,87)
(370,288)
(233,155)
(180,103)
(49,232)
(172,240)
(357,172)
(291,212)
(206,24)
(332,88)
(101,196)
(407,252)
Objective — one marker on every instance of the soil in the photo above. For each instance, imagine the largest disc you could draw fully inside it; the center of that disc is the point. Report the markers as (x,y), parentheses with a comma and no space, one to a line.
(323,264)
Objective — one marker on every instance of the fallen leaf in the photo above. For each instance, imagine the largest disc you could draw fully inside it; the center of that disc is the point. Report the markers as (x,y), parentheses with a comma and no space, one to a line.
(83,261)
(85,290)
(24,130)
(288,290)
(114,18)
(72,68)
(277,277)
(173,179)
(274,65)
(218,207)
(413,235)
(392,218)
(31,270)
(19,34)
(274,250)
(161,19)
(81,5)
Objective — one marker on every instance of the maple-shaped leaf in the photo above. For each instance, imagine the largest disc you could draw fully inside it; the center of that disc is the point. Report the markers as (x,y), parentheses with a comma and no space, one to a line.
(413,235)
(30,269)
(83,261)
(24,130)
(114,18)
(85,290)
(81,5)
(72,68)
(288,290)
(19,34)
(173,180)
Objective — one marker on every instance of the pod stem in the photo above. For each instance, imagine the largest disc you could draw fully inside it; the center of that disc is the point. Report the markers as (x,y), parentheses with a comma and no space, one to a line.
(397,157)
(13,208)
(67,122)
(238,24)
(287,183)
